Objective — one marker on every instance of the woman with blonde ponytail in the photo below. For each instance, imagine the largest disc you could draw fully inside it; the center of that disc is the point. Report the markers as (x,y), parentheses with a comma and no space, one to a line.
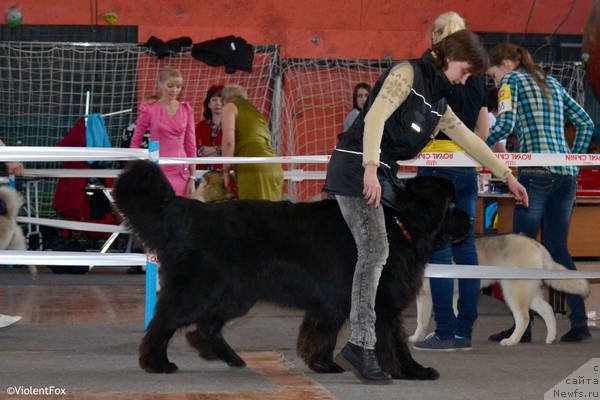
(535,106)
(468,102)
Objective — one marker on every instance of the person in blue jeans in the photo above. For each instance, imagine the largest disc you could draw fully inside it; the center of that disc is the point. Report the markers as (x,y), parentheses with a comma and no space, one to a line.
(469,103)
(536,106)
(454,332)
(551,203)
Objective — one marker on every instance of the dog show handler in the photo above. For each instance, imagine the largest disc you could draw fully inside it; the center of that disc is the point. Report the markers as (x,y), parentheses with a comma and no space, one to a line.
(401,115)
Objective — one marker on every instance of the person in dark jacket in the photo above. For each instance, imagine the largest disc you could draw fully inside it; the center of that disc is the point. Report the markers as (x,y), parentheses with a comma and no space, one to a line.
(401,115)
(359,98)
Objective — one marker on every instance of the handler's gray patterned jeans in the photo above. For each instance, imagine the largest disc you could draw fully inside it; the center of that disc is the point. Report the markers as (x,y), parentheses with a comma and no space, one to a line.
(367,225)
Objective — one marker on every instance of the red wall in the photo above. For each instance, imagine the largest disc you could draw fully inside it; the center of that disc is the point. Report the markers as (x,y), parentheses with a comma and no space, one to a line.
(311,28)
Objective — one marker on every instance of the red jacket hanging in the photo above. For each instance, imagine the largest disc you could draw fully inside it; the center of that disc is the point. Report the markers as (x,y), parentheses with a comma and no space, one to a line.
(69,198)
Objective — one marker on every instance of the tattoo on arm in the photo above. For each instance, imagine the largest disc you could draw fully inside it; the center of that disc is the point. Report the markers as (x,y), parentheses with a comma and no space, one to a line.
(395,89)
(450,122)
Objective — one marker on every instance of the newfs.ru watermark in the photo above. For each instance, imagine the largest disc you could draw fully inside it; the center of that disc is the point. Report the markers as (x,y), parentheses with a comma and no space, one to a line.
(584,383)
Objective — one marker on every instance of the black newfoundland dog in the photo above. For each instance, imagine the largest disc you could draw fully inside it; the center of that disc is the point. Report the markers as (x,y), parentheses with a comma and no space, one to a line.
(218,260)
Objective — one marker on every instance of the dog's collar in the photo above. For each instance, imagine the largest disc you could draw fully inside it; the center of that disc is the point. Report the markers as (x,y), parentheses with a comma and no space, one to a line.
(405,231)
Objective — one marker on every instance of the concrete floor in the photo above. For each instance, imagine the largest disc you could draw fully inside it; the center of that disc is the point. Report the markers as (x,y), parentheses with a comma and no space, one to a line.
(81,332)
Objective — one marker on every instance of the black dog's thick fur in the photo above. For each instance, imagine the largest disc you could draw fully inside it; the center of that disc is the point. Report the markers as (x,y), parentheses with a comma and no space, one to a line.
(218,260)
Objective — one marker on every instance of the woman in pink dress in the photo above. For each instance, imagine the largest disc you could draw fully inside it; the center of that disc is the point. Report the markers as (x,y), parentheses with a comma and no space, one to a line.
(172,124)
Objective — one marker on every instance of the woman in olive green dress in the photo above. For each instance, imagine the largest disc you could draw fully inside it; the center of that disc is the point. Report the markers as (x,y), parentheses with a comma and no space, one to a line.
(246,134)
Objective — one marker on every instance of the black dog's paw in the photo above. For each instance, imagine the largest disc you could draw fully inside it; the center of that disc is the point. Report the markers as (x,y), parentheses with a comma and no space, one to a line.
(423,374)
(326,368)
(170,368)
(415,373)
(158,368)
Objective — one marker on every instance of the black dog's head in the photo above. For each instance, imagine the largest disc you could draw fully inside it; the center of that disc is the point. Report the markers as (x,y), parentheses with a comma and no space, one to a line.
(141,179)
(426,207)
(141,194)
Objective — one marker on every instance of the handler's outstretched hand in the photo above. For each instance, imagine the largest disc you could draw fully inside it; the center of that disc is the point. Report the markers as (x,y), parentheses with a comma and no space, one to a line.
(371,185)
(518,191)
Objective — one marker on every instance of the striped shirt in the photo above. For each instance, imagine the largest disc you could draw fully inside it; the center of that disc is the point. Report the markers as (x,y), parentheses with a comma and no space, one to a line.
(538,121)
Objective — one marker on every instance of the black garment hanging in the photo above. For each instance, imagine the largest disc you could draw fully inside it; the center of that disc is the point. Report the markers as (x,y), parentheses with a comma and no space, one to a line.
(231,51)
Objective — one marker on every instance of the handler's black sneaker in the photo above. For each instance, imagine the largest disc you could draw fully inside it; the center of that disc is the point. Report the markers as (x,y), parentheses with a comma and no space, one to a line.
(362,363)
(526,338)
(576,334)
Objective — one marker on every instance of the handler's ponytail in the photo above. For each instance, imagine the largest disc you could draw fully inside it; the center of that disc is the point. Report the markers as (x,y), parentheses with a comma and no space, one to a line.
(522,59)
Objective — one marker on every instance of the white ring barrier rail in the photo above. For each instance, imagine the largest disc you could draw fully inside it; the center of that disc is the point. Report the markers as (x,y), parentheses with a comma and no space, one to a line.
(316,159)
(27,153)
(510,159)
(436,159)
(36,153)
(492,272)
(293,174)
(74,225)
(246,160)
(15,257)
(71,173)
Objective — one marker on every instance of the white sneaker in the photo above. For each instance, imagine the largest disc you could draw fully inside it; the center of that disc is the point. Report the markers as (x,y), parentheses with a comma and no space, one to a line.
(8,320)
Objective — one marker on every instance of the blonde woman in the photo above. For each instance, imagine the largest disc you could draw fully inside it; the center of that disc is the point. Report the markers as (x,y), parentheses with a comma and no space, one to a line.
(170,122)
(246,134)
(468,101)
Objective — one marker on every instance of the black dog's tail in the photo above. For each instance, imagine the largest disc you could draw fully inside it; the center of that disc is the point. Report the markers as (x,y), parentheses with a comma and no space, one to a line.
(140,193)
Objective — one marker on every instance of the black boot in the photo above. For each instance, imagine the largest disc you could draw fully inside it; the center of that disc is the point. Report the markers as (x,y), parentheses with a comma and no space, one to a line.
(363,363)
(526,338)
(576,334)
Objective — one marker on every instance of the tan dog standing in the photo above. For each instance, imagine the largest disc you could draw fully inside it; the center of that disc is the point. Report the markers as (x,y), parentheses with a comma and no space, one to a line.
(517,251)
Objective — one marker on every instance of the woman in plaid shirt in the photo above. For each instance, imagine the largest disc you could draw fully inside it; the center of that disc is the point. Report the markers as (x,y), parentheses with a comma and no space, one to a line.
(535,106)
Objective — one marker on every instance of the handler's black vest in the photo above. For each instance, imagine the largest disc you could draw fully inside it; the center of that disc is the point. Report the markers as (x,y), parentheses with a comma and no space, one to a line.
(405,133)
